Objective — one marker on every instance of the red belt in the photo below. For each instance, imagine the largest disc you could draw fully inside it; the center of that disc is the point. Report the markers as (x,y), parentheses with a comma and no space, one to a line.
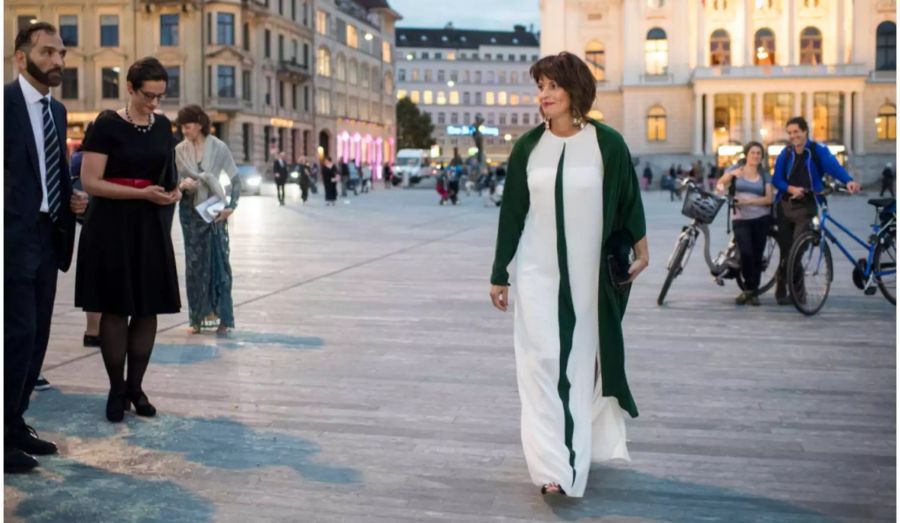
(131,182)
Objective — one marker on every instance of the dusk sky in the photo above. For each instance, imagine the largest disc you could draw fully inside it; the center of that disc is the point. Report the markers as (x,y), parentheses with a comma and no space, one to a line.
(468,14)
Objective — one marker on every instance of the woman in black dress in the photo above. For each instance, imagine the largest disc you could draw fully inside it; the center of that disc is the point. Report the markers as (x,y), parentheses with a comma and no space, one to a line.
(126,264)
(329,179)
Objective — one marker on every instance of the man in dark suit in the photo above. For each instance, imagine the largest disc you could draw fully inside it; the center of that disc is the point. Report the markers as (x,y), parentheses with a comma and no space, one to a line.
(281,176)
(38,229)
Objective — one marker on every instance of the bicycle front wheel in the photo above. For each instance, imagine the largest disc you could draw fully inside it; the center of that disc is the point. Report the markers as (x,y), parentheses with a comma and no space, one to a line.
(675,268)
(809,273)
(885,265)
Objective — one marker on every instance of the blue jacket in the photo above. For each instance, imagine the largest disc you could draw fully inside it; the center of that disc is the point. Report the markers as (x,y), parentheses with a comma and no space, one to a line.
(784,164)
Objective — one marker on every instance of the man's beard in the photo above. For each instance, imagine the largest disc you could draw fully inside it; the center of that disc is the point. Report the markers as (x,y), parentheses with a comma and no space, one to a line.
(47,78)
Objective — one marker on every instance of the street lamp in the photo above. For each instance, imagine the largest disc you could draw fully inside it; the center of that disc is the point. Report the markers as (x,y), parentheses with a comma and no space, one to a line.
(409,56)
(450,83)
(368,36)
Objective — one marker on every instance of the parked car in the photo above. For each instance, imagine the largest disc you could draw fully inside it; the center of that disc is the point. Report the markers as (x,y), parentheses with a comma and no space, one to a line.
(412,166)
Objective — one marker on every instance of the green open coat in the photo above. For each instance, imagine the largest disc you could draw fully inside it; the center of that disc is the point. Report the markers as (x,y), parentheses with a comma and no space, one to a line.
(623,222)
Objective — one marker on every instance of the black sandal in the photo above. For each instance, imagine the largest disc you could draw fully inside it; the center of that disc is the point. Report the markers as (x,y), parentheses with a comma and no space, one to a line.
(546,489)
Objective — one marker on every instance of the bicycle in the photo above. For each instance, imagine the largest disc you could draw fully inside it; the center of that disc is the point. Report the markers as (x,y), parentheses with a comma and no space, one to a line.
(810,257)
(702,207)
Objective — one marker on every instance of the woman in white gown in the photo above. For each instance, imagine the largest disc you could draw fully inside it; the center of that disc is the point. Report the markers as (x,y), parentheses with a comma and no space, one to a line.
(571,214)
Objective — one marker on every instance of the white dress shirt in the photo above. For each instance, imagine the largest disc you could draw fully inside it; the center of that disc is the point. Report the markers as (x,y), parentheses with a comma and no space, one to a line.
(36,114)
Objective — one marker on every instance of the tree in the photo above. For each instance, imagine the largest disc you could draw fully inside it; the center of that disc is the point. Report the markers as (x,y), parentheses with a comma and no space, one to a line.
(414,127)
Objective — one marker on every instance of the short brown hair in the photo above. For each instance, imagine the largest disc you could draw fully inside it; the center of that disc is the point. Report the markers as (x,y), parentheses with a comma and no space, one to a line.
(147,69)
(573,75)
(194,114)
(25,37)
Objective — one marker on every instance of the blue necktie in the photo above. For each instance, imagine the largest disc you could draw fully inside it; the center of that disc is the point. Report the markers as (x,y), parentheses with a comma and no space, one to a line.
(52,158)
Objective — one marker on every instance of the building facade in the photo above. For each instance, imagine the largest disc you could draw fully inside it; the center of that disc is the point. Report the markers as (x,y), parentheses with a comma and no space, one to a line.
(354,79)
(455,75)
(246,62)
(695,79)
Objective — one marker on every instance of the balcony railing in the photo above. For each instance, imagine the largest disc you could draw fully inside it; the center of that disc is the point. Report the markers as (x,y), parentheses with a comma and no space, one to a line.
(226,104)
(665,78)
(781,71)
(294,70)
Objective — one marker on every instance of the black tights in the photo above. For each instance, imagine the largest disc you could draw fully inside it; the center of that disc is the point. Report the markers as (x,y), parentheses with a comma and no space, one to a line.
(118,339)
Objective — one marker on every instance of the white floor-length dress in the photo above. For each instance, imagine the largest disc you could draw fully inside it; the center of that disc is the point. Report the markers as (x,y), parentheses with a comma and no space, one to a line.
(566,423)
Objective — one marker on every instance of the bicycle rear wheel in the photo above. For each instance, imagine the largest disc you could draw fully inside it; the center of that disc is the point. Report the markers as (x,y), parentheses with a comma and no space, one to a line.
(769,266)
(809,273)
(675,267)
(885,265)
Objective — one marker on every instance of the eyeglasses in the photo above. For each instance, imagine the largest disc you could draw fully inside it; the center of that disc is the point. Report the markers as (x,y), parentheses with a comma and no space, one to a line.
(150,96)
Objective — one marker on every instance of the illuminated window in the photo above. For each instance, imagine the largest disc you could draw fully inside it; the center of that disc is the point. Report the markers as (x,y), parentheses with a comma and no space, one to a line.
(778,108)
(811,46)
(414,96)
(886,123)
(454,97)
(321,22)
(441,98)
(401,93)
(595,56)
(501,98)
(719,48)
(386,52)
(427,97)
(451,56)
(489,98)
(526,99)
(764,43)
(656,52)
(352,37)
(323,62)
(513,99)
(656,124)
(414,75)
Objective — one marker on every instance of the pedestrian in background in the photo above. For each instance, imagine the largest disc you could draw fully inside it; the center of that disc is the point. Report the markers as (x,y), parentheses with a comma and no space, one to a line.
(344,173)
(570,183)
(753,194)
(126,263)
(388,175)
(201,158)
(798,179)
(305,181)
(887,180)
(330,180)
(281,175)
(648,177)
(38,229)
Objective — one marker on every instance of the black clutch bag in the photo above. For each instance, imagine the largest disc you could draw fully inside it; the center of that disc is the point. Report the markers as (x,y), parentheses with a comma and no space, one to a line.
(619,257)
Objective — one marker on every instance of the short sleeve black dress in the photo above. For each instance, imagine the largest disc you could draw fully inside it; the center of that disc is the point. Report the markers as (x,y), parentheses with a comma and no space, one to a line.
(126,264)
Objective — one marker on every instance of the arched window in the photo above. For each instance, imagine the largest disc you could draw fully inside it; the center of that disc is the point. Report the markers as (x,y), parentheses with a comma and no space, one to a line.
(810,3)
(720,5)
(720,48)
(886,123)
(323,62)
(656,124)
(656,52)
(340,67)
(595,56)
(811,46)
(352,72)
(886,47)
(764,47)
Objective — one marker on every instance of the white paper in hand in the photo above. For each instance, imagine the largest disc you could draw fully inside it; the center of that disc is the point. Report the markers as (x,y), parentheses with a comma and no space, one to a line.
(210,208)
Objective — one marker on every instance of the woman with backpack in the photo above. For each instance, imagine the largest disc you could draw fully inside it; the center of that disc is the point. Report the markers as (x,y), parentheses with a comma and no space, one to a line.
(751,187)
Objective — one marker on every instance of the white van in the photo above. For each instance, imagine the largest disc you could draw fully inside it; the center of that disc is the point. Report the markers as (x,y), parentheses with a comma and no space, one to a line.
(412,166)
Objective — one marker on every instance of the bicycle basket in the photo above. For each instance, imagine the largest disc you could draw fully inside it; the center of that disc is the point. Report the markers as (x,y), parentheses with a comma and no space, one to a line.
(701,205)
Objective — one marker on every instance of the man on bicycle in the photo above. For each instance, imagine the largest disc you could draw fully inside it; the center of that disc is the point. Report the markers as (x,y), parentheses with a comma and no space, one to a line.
(798,178)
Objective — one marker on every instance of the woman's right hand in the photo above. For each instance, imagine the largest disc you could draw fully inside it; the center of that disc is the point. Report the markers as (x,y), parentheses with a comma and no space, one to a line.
(500,296)
(156,194)
(187,185)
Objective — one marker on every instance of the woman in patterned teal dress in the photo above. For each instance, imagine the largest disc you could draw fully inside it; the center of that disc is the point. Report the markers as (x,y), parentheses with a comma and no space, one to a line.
(201,158)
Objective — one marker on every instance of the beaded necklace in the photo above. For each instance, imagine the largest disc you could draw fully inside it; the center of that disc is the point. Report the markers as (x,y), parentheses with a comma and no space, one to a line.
(140,128)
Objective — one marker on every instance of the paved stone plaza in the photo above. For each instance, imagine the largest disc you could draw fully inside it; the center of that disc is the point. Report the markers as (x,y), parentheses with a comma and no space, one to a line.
(369,379)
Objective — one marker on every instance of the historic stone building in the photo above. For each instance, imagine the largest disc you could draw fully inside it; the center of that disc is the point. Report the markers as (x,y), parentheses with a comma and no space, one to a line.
(354,78)
(683,79)
(457,74)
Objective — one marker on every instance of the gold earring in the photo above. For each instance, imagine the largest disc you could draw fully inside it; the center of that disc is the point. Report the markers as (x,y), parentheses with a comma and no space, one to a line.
(578,122)
(547,124)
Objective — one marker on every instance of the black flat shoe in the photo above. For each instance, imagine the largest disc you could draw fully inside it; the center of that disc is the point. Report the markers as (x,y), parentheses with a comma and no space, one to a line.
(91,341)
(26,439)
(15,461)
(142,405)
(115,406)
(546,489)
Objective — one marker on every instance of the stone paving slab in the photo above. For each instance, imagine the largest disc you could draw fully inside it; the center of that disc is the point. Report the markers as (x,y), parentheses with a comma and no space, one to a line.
(370,380)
